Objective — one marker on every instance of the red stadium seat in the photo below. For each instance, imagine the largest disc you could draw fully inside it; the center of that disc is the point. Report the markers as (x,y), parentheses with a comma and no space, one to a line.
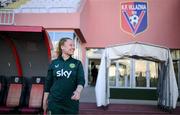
(14,95)
(34,96)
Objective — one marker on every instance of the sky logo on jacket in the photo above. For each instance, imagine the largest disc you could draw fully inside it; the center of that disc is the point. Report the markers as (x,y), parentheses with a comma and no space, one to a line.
(63,73)
(134,17)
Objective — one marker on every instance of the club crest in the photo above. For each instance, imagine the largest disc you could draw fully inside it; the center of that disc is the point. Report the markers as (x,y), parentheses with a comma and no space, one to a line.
(72,65)
(38,80)
(134,17)
(16,80)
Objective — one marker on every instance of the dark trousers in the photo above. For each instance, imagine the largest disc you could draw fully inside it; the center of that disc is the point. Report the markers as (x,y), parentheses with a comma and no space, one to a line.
(63,107)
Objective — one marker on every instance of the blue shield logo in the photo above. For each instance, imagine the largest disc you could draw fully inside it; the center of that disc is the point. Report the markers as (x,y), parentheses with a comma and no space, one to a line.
(134,17)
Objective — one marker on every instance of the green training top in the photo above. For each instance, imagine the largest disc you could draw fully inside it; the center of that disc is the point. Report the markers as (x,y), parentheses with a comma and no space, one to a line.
(63,77)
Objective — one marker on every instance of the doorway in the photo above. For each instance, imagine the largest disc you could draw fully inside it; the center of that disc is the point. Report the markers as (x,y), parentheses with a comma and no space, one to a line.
(93,60)
(93,67)
(176,64)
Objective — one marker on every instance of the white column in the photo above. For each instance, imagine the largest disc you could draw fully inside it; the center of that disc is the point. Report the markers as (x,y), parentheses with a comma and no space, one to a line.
(126,81)
(132,74)
(147,74)
(117,74)
(86,71)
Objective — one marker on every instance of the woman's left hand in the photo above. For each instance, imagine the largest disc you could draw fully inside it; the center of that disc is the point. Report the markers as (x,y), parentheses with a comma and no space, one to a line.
(76,95)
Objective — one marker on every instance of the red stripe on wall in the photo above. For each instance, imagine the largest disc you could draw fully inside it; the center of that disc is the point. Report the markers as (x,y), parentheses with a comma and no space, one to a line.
(46,37)
(16,56)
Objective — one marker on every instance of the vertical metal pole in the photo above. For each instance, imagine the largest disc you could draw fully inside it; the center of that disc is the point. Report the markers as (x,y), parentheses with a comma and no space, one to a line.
(8,17)
(4,14)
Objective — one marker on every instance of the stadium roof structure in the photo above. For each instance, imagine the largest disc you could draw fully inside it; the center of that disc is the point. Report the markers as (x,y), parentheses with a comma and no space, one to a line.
(21,28)
(13,31)
(50,6)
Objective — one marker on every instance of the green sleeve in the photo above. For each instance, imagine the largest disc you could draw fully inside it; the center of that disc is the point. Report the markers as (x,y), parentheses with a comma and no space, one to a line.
(80,75)
(49,79)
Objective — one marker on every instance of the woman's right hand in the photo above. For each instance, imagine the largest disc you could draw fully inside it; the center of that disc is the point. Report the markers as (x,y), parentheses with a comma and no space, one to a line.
(45,102)
(45,106)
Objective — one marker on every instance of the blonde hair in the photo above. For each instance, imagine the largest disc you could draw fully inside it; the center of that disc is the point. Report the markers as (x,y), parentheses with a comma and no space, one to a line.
(61,42)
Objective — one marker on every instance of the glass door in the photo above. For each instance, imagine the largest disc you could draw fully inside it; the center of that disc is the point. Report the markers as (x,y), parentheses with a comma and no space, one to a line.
(133,73)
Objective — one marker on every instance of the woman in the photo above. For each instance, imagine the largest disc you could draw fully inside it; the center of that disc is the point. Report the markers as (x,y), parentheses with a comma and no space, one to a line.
(64,82)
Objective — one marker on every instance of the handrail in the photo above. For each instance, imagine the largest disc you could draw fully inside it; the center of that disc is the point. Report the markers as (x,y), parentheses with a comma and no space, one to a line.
(6,17)
(44,9)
